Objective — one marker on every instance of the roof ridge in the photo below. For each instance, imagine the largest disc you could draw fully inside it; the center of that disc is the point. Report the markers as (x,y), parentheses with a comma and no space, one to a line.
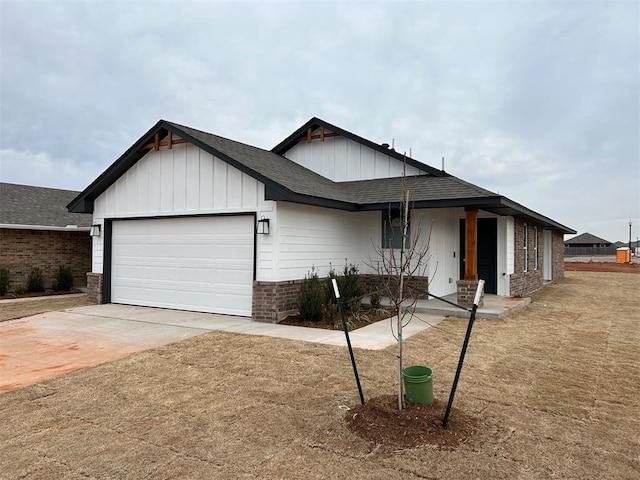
(178,125)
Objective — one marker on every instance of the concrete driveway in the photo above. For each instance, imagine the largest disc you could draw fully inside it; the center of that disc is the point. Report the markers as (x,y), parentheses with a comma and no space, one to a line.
(48,345)
(40,347)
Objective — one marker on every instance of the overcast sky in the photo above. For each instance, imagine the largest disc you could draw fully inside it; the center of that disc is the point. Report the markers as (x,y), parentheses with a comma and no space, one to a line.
(536,100)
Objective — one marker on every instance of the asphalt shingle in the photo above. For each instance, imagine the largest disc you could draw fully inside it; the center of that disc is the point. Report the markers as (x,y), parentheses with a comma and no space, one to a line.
(38,206)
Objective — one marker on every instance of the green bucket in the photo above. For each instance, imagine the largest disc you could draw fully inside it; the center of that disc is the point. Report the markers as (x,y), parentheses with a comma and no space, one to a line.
(418,384)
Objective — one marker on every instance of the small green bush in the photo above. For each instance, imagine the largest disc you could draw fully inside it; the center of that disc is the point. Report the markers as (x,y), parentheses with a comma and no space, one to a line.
(64,279)
(35,282)
(5,281)
(376,301)
(330,313)
(349,285)
(312,297)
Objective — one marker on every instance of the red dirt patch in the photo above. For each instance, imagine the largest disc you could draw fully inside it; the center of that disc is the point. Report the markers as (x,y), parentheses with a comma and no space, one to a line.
(380,421)
(602,267)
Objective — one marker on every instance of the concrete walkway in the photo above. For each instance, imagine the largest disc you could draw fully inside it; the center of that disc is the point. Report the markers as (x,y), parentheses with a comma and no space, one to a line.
(34,349)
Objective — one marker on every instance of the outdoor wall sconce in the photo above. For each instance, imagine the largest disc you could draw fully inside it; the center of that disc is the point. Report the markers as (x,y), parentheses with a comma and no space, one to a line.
(94,231)
(263,226)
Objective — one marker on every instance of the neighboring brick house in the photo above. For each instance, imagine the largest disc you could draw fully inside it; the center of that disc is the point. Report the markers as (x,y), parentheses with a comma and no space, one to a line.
(37,230)
(194,221)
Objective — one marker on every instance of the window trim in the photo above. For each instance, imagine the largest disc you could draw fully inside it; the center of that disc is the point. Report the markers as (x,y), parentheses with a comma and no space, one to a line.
(525,246)
(535,247)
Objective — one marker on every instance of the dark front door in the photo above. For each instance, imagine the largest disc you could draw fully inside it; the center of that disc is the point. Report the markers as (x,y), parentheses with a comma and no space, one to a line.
(487,252)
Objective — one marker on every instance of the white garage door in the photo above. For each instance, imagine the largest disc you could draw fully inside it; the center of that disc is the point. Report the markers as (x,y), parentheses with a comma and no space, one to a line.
(203,264)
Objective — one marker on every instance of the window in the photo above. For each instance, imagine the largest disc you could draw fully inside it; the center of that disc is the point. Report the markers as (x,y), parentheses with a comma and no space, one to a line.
(535,248)
(525,250)
(392,230)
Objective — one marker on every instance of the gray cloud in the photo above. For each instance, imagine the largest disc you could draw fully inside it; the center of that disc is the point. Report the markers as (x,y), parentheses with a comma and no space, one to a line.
(537,100)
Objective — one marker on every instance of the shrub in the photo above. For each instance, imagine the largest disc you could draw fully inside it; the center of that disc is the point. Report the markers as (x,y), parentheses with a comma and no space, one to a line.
(376,300)
(5,281)
(330,313)
(64,279)
(312,297)
(349,285)
(35,282)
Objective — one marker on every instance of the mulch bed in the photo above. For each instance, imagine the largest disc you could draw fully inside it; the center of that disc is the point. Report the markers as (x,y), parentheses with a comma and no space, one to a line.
(296,321)
(380,421)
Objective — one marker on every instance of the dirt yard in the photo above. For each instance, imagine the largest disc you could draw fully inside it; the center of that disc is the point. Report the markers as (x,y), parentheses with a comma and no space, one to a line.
(602,267)
(11,309)
(552,391)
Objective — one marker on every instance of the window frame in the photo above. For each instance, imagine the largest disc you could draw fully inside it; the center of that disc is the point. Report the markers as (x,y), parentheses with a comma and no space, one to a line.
(394,242)
(535,247)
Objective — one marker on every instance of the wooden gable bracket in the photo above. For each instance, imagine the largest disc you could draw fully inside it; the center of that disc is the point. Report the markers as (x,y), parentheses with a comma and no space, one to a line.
(309,137)
(156,144)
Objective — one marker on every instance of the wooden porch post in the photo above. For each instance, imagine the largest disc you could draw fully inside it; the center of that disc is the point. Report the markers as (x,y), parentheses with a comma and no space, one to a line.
(471,243)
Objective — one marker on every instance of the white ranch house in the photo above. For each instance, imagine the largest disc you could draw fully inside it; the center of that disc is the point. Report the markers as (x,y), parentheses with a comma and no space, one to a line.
(180,213)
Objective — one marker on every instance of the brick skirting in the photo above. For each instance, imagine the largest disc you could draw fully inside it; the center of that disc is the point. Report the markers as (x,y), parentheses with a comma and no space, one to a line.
(94,288)
(274,301)
(467,293)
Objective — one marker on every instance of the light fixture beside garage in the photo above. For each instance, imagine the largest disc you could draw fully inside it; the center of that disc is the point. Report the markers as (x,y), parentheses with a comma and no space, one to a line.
(263,226)
(94,231)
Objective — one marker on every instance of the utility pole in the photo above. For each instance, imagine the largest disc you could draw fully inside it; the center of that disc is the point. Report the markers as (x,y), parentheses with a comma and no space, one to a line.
(630,241)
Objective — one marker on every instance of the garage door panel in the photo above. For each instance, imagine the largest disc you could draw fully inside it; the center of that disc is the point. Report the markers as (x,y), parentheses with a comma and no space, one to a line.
(191,263)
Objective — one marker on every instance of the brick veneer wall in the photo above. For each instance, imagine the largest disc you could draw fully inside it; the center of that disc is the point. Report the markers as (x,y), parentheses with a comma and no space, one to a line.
(274,301)
(558,256)
(521,282)
(21,250)
(416,287)
(466,293)
(94,288)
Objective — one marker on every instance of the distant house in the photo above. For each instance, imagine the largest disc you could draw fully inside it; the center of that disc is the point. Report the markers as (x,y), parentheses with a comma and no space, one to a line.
(37,230)
(588,244)
(194,221)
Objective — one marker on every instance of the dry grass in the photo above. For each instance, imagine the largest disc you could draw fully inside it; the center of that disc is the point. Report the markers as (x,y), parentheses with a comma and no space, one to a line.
(10,310)
(553,388)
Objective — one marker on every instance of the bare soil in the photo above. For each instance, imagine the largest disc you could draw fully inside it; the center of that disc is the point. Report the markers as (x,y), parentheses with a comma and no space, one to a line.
(548,392)
(380,421)
(602,267)
(25,307)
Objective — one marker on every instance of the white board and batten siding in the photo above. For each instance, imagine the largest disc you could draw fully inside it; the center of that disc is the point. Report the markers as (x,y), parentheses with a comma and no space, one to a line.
(183,180)
(183,232)
(341,159)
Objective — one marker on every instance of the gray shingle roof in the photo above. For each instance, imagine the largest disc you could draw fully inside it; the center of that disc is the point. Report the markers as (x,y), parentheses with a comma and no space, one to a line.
(286,180)
(38,206)
(269,165)
(586,238)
